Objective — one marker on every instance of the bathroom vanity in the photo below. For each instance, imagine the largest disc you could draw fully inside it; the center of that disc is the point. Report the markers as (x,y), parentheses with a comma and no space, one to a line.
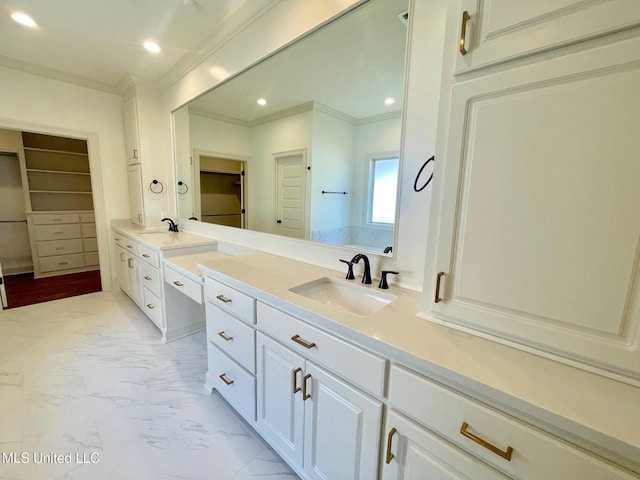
(342,394)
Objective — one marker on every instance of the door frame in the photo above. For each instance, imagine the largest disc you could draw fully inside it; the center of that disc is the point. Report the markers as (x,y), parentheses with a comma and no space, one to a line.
(307,184)
(197,153)
(95,168)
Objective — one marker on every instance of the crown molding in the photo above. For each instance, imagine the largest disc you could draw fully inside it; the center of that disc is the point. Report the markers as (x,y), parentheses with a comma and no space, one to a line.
(53,74)
(379,118)
(220,118)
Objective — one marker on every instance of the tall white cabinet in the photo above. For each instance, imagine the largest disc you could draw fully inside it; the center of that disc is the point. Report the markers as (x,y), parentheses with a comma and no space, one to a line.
(538,225)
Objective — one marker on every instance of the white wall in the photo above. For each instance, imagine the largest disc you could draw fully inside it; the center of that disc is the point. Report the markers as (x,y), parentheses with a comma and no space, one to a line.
(332,169)
(38,104)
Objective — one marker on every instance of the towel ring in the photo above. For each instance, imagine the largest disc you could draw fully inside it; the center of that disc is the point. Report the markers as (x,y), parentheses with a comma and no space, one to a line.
(415,183)
(186,188)
(153,186)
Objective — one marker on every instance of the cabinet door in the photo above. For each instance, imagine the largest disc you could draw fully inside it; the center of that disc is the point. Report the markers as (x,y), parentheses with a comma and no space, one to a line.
(539,220)
(280,404)
(121,270)
(342,429)
(136,202)
(130,114)
(501,30)
(134,278)
(413,453)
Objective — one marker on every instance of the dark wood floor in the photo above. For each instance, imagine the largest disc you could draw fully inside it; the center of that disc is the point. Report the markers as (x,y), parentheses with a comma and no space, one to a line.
(24,290)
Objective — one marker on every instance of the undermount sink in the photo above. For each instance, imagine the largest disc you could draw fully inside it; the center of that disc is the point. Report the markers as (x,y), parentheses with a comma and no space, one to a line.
(355,299)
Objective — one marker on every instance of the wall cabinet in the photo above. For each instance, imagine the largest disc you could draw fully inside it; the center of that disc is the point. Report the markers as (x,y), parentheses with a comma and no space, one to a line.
(494,31)
(538,235)
(131,136)
(136,198)
(324,426)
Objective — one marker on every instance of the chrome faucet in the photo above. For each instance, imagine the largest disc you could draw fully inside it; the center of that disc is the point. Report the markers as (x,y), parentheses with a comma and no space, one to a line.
(172,226)
(366,274)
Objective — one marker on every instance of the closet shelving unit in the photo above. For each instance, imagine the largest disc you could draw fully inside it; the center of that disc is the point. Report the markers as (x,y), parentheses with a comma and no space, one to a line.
(57,181)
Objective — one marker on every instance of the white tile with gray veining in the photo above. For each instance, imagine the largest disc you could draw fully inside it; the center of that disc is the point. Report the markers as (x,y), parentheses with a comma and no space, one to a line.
(88,391)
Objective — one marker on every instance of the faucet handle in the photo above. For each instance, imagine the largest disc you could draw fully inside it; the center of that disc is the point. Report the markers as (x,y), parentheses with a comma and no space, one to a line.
(383,278)
(350,275)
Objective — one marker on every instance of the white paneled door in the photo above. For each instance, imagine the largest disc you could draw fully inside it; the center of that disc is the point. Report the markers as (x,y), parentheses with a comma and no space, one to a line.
(291,196)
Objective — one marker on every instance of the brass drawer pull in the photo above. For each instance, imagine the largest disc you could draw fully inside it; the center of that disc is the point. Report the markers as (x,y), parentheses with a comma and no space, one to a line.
(305,395)
(304,343)
(225,336)
(438,298)
(121,257)
(224,378)
(63,263)
(224,299)
(58,233)
(146,256)
(178,284)
(147,277)
(129,246)
(463,33)
(56,219)
(130,262)
(294,374)
(60,248)
(506,454)
(150,306)
(390,456)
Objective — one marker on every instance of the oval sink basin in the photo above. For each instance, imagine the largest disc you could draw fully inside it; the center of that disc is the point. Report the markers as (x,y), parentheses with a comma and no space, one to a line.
(355,299)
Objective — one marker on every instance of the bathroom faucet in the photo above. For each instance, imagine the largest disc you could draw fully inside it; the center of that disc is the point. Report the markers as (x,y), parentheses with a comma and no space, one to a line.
(172,226)
(366,275)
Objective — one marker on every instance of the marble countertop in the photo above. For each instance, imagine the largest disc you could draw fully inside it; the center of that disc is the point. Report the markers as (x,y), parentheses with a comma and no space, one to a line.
(160,238)
(584,408)
(188,264)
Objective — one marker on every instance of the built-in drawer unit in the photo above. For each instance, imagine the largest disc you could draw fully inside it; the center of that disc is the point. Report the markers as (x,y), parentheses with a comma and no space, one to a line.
(151,279)
(234,383)
(153,307)
(87,218)
(55,219)
(56,232)
(149,256)
(90,244)
(62,262)
(59,247)
(360,367)
(185,285)
(88,229)
(129,245)
(91,259)
(519,450)
(231,300)
(235,338)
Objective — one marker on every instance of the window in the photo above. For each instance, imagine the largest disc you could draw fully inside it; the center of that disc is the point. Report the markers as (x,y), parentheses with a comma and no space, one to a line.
(383,189)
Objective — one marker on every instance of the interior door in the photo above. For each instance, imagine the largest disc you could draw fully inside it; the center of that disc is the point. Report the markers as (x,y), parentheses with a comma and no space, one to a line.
(290,196)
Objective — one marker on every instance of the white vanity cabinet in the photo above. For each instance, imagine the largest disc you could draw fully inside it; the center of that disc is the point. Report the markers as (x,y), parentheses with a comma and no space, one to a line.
(506,444)
(538,231)
(324,426)
(131,277)
(494,31)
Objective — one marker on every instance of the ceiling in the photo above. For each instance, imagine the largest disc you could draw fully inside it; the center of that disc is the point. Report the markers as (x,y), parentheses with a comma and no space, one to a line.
(99,42)
(351,65)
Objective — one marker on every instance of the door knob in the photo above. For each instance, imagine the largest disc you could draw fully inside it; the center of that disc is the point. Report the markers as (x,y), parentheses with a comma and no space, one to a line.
(278,221)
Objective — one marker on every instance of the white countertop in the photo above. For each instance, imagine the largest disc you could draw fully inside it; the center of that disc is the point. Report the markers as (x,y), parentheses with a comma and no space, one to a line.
(585,408)
(188,264)
(160,238)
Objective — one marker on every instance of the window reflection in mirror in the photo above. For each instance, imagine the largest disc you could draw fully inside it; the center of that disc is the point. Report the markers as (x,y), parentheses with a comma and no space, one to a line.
(329,100)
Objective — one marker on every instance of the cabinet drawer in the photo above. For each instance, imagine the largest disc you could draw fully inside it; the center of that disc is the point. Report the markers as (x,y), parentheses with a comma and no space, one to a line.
(233,337)
(59,247)
(129,245)
(91,259)
(233,382)
(62,262)
(88,229)
(151,278)
(56,232)
(183,284)
(152,306)
(231,300)
(90,244)
(149,256)
(54,219)
(352,363)
(87,218)
(535,454)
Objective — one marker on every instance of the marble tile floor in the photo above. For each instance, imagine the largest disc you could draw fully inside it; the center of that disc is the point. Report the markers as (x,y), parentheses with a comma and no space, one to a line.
(88,391)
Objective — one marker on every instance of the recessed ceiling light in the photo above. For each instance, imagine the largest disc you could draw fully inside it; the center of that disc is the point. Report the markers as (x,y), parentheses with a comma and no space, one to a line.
(261,101)
(24,19)
(152,46)
(389,101)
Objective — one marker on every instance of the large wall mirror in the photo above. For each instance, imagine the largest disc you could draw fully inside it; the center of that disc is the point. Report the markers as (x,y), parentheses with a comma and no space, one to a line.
(305,143)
